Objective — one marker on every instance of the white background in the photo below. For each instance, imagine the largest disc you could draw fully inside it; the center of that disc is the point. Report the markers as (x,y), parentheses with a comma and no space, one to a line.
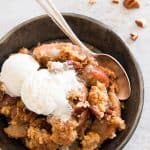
(121,20)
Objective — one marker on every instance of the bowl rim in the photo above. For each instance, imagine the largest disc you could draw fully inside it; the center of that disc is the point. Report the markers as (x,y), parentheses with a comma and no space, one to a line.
(84,17)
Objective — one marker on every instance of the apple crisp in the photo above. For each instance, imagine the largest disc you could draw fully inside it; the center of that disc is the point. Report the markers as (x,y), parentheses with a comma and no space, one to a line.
(96,109)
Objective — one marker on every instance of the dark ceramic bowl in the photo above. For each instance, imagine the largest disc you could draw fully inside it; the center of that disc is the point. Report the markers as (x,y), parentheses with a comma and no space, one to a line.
(41,29)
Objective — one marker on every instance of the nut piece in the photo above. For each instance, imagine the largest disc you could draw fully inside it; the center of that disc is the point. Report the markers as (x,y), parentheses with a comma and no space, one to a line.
(115,1)
(134,36)
(140,23)
(25,51)
(129,4)
(91,2)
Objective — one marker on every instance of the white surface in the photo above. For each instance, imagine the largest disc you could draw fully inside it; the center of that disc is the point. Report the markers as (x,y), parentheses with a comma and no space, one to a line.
(13,12)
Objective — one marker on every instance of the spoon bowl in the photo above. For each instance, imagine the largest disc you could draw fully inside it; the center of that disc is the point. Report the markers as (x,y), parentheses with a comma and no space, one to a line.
(122,79)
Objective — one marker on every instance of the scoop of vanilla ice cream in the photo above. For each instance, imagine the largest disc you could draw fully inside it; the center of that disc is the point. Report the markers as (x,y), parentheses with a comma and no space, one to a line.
(38,92)
(46,92)
(14,70)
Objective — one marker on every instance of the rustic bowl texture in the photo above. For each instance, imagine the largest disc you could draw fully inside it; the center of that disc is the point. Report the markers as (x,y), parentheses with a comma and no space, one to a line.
(42,29)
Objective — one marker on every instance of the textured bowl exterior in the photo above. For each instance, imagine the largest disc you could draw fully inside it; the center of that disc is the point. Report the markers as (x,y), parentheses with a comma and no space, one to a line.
(42,29)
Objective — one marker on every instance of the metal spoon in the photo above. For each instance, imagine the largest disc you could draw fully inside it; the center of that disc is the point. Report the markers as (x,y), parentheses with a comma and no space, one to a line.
(103,59)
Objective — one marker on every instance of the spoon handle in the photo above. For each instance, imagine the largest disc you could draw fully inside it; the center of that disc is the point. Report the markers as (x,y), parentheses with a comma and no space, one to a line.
(59,20)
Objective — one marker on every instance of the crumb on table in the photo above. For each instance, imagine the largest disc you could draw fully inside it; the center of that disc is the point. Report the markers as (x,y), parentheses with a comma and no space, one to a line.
(91,2)
(134,36)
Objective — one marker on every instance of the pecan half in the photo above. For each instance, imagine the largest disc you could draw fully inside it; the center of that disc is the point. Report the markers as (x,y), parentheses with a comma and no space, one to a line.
(83,118)
(140,23)
(129,4)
